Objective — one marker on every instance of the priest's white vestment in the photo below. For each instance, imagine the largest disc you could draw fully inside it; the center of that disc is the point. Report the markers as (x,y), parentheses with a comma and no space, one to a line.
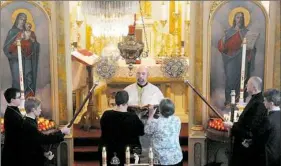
(149,94)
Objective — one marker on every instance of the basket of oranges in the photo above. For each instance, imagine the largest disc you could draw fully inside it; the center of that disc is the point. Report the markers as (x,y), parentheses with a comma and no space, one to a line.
(216,130)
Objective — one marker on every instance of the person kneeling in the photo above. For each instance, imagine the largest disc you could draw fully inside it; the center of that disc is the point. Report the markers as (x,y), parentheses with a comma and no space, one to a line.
(34,154)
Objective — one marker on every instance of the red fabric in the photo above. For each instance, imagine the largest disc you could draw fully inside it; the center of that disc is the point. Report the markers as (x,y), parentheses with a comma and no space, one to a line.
(25,45)
(85,52)
(232,44)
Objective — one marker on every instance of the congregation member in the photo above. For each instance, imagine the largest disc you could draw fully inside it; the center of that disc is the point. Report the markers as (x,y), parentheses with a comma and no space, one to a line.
(13,122)
(119,129)
(245,150)
(272,102)
(33,152)
(143,93)
(164,133)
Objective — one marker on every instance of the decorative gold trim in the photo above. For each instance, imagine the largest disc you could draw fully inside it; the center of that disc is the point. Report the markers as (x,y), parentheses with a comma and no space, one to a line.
(41,4)
(215,7)
(152,80)
(197,128)
(147,8)
(88,37)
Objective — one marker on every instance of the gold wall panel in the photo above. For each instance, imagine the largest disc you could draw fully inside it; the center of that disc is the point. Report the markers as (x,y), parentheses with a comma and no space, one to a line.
(88,37)
(62,96)
(146,8)
(175,24)
(198,80)
(277,62)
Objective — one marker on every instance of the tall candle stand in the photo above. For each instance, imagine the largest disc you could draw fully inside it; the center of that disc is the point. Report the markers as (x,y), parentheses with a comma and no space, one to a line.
(242,103)
(21,79)
(176,50)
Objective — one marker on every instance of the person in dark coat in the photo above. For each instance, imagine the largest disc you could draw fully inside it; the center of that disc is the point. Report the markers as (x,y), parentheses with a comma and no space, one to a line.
(272,102)
(13,122)
(246,151)
(34,154)
(120,129)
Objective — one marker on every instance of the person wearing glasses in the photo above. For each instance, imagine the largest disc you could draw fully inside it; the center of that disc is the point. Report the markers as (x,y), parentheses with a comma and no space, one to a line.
(13,123)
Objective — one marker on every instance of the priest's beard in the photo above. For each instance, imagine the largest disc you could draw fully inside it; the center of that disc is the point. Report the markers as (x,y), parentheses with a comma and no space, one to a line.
(141,81)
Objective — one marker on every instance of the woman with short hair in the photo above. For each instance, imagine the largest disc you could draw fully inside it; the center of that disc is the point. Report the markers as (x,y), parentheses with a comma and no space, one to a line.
(119,129)
(165,132)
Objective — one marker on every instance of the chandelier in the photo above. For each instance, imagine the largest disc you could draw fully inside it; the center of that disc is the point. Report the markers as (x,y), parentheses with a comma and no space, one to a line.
(110,18)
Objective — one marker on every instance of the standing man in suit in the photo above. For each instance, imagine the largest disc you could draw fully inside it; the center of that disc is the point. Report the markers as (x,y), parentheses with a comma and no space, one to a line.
(272,101)
(13,123)
(245,150)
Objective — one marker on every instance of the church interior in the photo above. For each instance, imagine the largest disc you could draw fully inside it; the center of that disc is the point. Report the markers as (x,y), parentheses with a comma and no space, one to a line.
(80,53)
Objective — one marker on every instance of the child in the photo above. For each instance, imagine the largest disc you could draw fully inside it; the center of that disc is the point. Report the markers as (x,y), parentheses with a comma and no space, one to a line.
(27,37)
(33,138)
(28,33)
(13,122)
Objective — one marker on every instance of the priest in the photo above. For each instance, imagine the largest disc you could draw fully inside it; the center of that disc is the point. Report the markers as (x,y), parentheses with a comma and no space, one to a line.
(143,93)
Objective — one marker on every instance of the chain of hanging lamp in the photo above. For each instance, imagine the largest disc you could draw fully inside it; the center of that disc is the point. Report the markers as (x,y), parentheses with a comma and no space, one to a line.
(145,54)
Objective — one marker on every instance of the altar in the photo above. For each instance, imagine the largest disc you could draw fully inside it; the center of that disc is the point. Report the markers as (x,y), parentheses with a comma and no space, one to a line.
(173,88)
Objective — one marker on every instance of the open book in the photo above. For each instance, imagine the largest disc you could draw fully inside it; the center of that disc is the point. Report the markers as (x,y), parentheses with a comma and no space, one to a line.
(84,56)
(251,38)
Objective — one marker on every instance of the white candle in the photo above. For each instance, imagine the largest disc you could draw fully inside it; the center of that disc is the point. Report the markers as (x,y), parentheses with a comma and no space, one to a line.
(232,94)
(187,11)
(176,7)
(150,156)
(127,156)
(243,70)
(104,163)
(163,12)
(20,69)
(78,14)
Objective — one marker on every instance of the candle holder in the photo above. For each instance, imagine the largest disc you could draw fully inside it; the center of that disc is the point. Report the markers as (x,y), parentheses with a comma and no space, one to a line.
(176,50)
(163,49)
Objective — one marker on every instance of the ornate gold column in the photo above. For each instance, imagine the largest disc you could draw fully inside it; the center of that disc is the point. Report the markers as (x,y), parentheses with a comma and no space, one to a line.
(277,62)
(197,138)
(196,59)
(88,37)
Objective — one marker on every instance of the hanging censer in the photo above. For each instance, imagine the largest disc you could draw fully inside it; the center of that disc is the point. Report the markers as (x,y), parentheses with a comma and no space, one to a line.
(130,48)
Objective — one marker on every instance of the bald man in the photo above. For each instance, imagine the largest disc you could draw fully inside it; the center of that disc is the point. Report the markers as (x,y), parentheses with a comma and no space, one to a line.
(246,150)
(143,93)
